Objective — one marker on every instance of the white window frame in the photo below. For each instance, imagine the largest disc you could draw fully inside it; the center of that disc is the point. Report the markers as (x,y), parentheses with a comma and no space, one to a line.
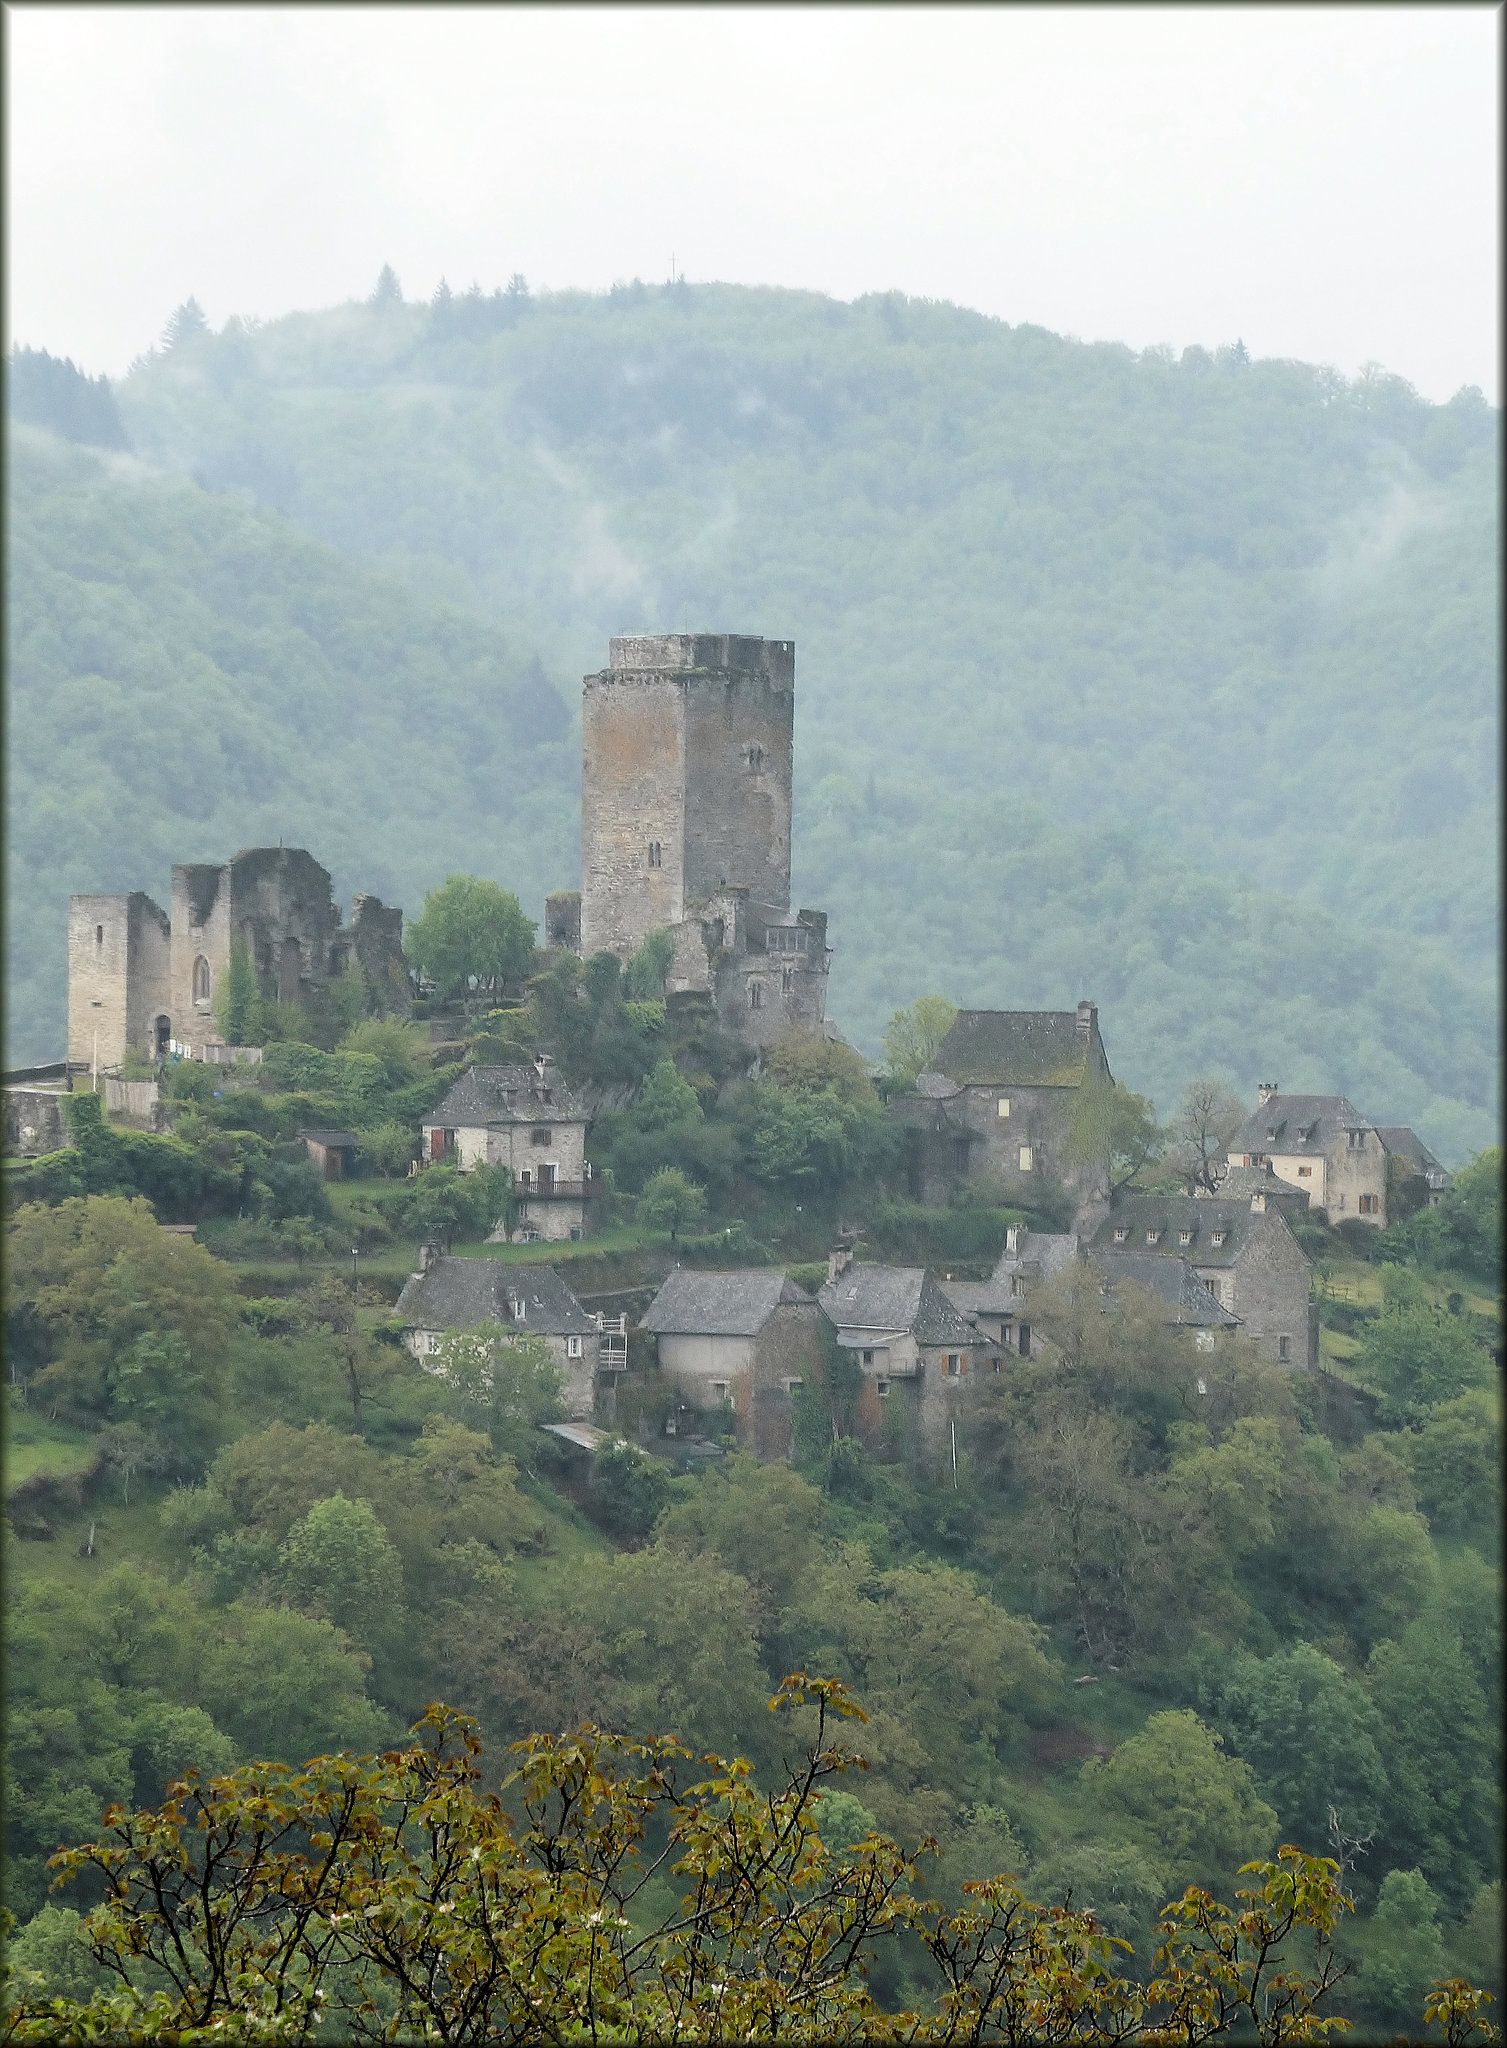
(574,1348)
(1002,1107)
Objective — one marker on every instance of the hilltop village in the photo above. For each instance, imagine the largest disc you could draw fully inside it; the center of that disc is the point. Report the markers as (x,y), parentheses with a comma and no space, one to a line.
(683,929)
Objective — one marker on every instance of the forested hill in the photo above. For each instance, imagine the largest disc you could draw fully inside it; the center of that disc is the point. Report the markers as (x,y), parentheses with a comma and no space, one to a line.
(1169,682)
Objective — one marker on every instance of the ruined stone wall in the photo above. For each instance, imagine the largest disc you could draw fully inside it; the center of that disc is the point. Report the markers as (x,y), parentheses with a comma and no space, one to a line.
(282,907)
(34,1122)
(201,931)
(118,976)
(562,919)
(375,937)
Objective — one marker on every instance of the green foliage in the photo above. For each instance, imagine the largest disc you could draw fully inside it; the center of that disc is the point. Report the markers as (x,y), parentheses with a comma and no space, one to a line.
(629,1489)
(471,934)
(671,1202)
(509,1383)
(442,1204)
(665,1100)
(1419,1357)
(236,996)
(1199,1805)
(400,1049)
(1456,1463)
(912,1036)
(338,1562)
(644,975)
(1464,1232)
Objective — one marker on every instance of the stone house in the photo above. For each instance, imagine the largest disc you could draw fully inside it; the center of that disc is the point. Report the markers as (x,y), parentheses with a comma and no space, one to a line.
(997,1306)
(1187,1301)
(526,1119)
(449,1294)
(1000,1098)
(745,1340)
(1321,1144)
(909,1342)
(141,980)
(1414,1174)
(1242,1249)
(686,782)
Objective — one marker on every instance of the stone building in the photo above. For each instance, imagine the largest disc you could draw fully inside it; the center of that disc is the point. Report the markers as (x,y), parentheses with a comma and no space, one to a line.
(1415,1178)
(1002,1098)
(746,1341)
(997,1306)
(1321,1144)
(909,1342)
(686,777)
(525,1119)
(446,1295)
(140,979)
(1242,1249)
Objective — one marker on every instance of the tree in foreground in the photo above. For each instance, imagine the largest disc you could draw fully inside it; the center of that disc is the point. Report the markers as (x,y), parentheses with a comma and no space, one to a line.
(397,1897)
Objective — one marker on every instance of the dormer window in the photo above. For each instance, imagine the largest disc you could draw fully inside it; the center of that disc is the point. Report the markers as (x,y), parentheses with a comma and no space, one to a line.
(1153,1237)
(1216,1237)
(1122,1234)
(1185,1237)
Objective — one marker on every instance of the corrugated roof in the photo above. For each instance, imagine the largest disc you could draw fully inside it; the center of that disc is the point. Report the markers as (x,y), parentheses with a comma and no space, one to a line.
(892,1299)
(457,1294)
(733,1304)
(1032,1048)
(482,1096)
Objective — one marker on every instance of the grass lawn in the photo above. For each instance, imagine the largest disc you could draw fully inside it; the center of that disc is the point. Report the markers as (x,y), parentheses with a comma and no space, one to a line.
(33,1444)
(122,1533)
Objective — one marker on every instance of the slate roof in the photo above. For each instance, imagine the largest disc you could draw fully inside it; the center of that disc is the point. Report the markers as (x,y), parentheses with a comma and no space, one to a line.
(333,1141)
(1241,1182)
(733,1304)
(1173,1282)
(457,1294)
(892,1299)
(1039,1255)
(1171,1215)
(1301,1126)
(481,1096)
(1407,1145)
(1032,1048)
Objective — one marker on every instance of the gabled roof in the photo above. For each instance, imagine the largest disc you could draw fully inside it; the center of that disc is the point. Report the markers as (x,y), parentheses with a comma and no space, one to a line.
(1241,1182)
(1032,1048)
(333,1141)
(891,1300)
(1303,1126)
(1407,1145)
(1039,1256)
(506,1095)
(1168,1216)
(1173,1282)
(734,1304)
(457,1294)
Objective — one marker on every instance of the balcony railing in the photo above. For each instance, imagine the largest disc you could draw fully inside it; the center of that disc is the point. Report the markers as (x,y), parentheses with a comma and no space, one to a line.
(530,1189)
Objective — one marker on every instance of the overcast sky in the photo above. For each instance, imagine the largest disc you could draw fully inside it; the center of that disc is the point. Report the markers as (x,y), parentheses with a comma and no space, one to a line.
(1319,182)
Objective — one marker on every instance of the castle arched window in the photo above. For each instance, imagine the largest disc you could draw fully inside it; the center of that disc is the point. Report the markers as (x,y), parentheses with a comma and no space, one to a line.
(201,980)
(654,851)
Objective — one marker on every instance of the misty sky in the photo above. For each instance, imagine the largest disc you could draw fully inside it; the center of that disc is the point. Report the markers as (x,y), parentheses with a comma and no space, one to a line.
(1320,182)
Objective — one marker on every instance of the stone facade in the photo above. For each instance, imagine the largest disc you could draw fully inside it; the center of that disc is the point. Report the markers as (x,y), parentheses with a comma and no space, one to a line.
(741,1344)
(1321,1144)
(687,755)
(526,1301)
(1000,1099)
(34,1122)
(525,1119)
(139,979)
(119,979)
(910,1343)
(1244,1252)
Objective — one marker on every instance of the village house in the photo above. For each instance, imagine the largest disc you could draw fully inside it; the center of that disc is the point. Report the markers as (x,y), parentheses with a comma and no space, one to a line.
(1003,1098)
(1322,1144)
(908,1340)
(1416,1180)
(1186,1301)
(745,1341)
(526,1119)
(997,1306)
(447,1295)
(1241,1248)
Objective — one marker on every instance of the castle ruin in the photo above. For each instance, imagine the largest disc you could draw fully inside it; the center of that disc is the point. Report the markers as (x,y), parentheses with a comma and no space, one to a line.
(686,774)
(141,980)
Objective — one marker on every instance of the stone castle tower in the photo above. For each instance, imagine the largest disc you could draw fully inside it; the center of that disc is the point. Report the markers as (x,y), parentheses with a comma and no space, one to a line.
(687,757)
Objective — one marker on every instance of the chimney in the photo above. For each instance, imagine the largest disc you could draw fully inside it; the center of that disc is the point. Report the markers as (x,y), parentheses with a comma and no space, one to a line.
(1088,1017)
(428,1255)
(1265,1090)
(1012,1241)
(1258,1204)
(838,1262)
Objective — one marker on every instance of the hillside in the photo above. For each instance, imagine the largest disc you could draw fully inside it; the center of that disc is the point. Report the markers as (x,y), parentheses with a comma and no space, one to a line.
(1172,683)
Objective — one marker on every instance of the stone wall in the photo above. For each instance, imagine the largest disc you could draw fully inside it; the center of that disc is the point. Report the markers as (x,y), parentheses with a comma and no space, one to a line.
(118,976)
(375,938)
(1350,1174)
(34,1122)
(632,801)
(1271,1294)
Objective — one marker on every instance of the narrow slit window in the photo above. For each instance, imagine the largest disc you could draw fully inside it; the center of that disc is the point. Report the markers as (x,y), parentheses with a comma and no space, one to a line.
(654,853)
